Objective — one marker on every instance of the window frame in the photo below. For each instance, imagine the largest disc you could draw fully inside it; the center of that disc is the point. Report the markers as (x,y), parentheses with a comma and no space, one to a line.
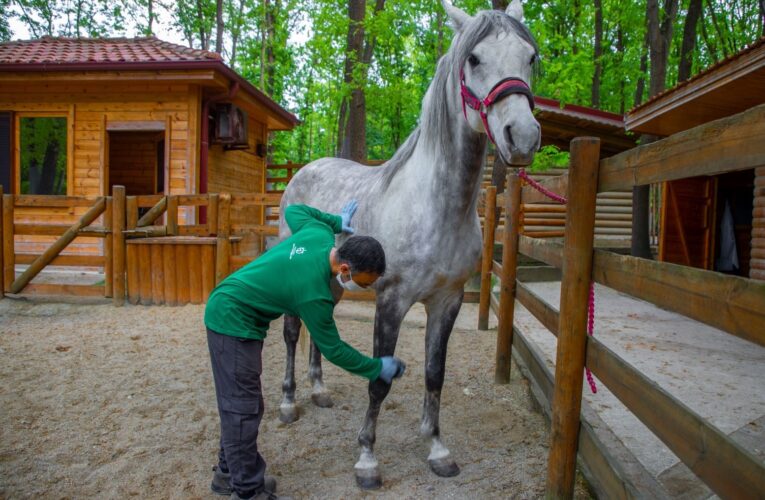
(16,170)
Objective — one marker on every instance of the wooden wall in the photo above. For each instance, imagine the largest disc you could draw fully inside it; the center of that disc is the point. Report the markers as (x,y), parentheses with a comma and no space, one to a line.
(92,108)
(757,263)
(238,172)
(133,161)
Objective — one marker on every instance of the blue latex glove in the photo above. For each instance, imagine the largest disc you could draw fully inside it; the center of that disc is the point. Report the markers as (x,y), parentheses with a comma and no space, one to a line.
(346,213)
(392,367)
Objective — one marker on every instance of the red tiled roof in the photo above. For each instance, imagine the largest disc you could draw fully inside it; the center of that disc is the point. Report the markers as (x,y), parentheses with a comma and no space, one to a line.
(53,50)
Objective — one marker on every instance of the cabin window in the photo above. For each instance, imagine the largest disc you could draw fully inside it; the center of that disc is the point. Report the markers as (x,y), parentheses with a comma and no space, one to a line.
(42,155)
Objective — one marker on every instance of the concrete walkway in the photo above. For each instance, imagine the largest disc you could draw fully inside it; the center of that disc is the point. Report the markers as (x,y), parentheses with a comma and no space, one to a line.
(717,375)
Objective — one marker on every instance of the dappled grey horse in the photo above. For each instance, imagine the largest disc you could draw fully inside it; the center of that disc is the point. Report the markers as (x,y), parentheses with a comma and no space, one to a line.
(421,205)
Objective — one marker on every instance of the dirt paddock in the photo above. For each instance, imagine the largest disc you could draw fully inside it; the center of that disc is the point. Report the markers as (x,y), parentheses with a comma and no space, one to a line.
(108,402)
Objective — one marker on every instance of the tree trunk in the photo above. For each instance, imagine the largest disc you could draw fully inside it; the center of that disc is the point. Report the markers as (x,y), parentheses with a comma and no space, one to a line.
(270,57)
(620,51)
(219,27)
(150,26)
(598,53)
(236,33)
(689,40)
(203,39)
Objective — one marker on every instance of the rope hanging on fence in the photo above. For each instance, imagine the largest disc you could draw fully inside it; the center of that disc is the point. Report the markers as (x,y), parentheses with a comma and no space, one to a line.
(591,302)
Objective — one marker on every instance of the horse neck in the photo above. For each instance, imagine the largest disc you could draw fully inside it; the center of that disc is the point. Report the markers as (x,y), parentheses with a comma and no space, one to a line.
(451,176)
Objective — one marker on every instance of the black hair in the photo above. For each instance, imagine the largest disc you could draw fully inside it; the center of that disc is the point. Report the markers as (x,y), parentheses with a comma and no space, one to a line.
(364,254)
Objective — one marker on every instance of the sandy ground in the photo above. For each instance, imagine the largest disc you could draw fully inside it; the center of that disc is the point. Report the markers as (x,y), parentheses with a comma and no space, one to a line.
(108,402)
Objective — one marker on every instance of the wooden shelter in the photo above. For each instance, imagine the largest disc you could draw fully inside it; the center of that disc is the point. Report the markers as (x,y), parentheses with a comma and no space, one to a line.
(78,116)
(698,212)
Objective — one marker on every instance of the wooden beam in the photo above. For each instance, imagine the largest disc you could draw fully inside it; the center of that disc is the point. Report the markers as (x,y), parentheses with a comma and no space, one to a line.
(61,243)
(223,245)
(53,201)
(153,214)
(9,269)
(557,184)
(64,260)
(487,257)
(726,145)
(572,329)
(731,303)
(726,467)
(507,280)
(62,289)
(537,306)
(172,215)
(118,245)
(549,252)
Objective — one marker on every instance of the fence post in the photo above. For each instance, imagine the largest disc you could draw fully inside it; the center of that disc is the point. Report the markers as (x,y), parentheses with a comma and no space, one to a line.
(223,244)
(9,256)
(212,214)
(490,214)
(572,328)
(172,215)
(507,290)
(118,245)
(108,246)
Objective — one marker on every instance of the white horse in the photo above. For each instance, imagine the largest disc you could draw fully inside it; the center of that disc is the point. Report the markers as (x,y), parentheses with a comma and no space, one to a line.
(421,205)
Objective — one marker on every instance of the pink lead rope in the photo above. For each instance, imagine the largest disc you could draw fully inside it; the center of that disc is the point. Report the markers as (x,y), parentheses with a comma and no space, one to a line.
(591,302)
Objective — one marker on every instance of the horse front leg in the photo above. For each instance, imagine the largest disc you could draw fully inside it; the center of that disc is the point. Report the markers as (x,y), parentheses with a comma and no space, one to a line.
(442,312)
(388,316)
(288,411)
(319,393)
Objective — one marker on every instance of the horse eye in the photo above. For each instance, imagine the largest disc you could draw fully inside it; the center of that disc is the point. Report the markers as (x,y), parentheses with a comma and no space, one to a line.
(473,60)
(533,59)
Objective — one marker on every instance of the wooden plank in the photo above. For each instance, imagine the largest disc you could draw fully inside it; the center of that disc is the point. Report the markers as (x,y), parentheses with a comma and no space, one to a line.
(265,230)
(153,214)
(212,215)
(133,274)
(507,278)
(136,126)
(726,145)
(195,230)
(182,274)
(193,200)
(144,280)
(60,289)
(731,303)
(108,258)
(537,306)
(549,252)
(53,201)
(223,245)
(131,212)
(575,287)
(558,185)
(170,280)
(195,274)
(487,258)
(157,275)
(496,268)
(172,215)
(48,255)
(118,244)
(65,260)
(727,468)
(208,270)
(148,200)
(256,199)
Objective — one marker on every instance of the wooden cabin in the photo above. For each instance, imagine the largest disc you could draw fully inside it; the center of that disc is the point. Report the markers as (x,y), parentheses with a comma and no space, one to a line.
(697,213)
(78,116)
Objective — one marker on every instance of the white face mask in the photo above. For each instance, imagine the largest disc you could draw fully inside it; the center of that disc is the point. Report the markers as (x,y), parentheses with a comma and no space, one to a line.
(349,285)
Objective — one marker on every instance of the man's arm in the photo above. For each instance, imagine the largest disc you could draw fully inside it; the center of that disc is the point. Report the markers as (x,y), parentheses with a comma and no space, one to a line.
(317,316)
(298,216)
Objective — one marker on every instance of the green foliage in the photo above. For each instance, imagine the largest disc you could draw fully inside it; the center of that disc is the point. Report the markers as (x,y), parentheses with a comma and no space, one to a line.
(549,157)
(43,155)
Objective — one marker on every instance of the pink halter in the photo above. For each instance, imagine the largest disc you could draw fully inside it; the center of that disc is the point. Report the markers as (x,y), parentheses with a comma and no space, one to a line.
(501,90)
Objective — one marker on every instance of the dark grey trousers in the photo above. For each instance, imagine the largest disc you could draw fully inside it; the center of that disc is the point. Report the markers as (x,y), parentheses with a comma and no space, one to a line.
(236,366)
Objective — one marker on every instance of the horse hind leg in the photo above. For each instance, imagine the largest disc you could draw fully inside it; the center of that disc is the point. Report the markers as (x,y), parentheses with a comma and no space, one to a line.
(388,317)
(288,410)
(441,317)
(319,393)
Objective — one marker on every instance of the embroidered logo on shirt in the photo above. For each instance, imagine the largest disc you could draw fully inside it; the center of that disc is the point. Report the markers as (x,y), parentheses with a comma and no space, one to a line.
(296,250)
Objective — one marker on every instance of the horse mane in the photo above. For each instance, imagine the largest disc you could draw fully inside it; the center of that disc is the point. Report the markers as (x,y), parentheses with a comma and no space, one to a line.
(434,122)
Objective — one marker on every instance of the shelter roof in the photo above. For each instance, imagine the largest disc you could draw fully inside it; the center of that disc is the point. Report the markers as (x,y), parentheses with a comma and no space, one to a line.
(560,124)
(49,54)
(730,86)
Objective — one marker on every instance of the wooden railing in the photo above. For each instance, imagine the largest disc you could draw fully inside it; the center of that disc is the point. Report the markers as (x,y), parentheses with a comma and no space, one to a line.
(733,304)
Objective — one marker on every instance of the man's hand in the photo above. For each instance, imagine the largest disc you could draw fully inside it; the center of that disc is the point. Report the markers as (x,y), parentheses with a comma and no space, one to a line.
(346,214)
(392,367)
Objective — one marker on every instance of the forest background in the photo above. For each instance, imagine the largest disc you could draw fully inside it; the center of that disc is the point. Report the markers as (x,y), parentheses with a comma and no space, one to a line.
(355,72)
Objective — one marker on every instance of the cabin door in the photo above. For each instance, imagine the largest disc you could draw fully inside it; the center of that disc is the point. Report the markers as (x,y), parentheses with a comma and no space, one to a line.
(688,222)
(137,161)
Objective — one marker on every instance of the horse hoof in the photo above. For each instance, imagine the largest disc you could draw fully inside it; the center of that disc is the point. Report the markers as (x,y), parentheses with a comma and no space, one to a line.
(322,399)
(288,415)
(444,467)
(368,479)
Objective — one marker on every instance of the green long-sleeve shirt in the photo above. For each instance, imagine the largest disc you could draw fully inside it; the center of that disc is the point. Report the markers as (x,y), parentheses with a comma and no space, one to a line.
(291,278)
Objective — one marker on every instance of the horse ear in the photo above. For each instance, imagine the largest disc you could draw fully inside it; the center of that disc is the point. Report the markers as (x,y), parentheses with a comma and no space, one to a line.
(457,16)
(515,10)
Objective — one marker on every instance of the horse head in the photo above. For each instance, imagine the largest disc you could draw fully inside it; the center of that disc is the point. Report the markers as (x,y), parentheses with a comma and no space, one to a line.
(493,56)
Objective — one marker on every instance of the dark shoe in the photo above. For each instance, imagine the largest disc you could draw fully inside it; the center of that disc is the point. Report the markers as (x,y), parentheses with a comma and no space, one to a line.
(269,488)
(221,482)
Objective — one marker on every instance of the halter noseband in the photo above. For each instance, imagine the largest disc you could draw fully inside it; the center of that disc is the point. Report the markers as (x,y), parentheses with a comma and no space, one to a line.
(502,89)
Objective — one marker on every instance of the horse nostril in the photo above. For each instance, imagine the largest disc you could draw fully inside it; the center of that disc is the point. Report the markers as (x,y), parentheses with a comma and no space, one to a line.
(509,136)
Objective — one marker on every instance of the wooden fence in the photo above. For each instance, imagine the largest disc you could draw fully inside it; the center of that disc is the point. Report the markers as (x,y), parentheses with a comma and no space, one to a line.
(143,259)
(732,304)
